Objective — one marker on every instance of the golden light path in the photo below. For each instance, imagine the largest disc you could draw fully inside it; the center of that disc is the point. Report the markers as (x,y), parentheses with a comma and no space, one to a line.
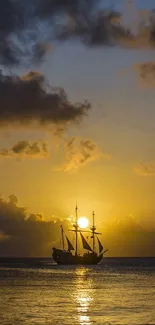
(83,222)
(83,296)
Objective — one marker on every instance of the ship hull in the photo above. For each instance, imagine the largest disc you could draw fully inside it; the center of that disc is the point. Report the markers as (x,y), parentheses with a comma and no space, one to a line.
(66,258)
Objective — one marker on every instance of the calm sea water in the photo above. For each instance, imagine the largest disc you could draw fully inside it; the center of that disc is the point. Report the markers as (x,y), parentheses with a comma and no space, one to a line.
(120,291)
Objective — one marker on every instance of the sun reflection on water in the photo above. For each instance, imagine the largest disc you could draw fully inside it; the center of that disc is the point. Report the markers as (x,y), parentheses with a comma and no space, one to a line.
(84,320)
(83,296)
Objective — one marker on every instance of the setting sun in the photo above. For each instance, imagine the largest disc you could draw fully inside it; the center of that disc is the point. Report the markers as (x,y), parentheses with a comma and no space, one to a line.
(83,222)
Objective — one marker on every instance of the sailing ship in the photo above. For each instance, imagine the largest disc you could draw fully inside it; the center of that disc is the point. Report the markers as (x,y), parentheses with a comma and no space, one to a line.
(90,257)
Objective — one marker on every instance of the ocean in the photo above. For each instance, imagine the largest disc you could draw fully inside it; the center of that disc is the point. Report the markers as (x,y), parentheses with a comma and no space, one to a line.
(119,291)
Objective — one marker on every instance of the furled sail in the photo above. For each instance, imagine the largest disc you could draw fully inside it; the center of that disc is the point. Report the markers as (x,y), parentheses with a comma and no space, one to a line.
(70,246)
(100,246)
(85,244)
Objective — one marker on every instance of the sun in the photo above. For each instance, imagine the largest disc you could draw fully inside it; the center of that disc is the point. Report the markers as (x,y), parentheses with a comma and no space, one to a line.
(83,222)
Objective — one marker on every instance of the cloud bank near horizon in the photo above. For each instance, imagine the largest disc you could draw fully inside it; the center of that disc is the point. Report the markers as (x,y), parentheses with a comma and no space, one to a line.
(24,234)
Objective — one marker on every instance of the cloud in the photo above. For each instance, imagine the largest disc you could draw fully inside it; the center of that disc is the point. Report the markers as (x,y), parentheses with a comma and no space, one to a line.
(24,25)
(26,149)
(28,99)
(145,169)
(97,30)
(129,236)
(20,33)
(29,235)
(35,217)
(84,20)
(79,152)
(27,27)
(40,49)
(10,21)
(24,234)
(146,73)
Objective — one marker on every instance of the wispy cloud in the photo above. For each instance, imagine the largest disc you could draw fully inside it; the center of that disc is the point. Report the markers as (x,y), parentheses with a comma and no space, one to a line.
(79,152)
(145,169)
(146,73)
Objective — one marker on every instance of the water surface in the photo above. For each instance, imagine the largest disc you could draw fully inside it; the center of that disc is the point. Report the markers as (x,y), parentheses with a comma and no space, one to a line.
(121,291)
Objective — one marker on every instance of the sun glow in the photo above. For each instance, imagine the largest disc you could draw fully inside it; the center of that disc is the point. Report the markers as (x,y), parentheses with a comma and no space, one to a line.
(83,222)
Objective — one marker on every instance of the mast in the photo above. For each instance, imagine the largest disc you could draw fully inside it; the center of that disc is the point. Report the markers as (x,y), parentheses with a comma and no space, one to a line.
(76,229)
(93,228)
(62,236)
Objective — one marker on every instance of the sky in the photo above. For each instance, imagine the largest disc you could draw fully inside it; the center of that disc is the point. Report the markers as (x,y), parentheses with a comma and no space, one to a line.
(102,157)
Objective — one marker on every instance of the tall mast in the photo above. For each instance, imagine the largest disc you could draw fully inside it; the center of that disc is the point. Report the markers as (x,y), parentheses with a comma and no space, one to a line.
(62,235)
(93,231)
(76,229)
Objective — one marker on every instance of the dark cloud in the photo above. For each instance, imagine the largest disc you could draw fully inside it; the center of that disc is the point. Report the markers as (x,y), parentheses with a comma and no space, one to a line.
(75,8)
(11,21)
(27,27)
(27,99)
(10,210)
(23,234)
(39,51)
(101,29)
(13,199)
(26,149)
(25,24)
(82,19)
(11,16)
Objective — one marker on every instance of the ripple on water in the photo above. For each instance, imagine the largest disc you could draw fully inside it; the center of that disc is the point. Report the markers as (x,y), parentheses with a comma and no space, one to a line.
(77,295)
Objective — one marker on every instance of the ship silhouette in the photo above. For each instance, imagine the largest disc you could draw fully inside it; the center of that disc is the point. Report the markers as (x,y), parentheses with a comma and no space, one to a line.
(90,257)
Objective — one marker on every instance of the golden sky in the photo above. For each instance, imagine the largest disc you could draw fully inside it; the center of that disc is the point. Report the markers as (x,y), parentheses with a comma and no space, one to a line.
(99,152)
